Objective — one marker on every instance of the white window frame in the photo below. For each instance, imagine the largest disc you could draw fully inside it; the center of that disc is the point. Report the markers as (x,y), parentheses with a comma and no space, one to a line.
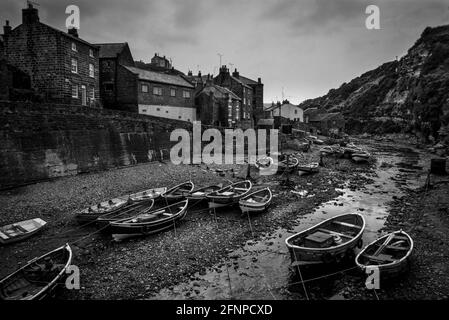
(77,91)
(157,91)
(186,94)
(74,48)
(91,70)
(146,88)
(74,64)
(92,94)
(171,92)
(91,53)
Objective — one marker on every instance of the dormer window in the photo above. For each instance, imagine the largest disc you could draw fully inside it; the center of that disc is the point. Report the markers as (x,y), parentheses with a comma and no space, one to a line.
(74,47)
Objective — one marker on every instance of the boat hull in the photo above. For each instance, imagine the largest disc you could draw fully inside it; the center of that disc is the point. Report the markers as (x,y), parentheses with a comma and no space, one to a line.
(31,227)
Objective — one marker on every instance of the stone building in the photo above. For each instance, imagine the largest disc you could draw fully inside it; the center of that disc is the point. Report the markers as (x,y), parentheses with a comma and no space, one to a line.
(245,89)
(62,66)
(218,106)
(156,94)
(111,56)
(327,123)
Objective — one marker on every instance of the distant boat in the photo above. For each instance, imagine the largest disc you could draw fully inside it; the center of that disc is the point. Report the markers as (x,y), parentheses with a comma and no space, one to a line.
(201,193)
(179,192)
(328,241)
(20,230)
(229,195)
(390,253)
(149,194)
(257,201)
(38,278)
(149,223)
(309,168)
(130,210)
(361,156)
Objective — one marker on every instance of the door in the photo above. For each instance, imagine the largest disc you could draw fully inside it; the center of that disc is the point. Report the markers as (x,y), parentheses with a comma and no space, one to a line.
(83,96)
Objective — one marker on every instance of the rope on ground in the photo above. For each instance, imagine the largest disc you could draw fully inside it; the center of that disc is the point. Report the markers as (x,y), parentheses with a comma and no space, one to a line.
(300,276)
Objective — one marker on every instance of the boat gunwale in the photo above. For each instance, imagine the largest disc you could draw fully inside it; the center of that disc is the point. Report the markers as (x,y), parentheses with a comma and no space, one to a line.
(211,196)
(244,203)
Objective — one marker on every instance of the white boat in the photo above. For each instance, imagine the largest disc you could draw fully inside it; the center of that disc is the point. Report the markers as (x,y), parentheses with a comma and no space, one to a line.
(257,201)
(361,157)
(20,230)
(229,195)
(327,242)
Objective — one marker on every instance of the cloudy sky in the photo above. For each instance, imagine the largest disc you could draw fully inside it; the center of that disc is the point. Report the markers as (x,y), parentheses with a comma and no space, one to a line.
(300,47)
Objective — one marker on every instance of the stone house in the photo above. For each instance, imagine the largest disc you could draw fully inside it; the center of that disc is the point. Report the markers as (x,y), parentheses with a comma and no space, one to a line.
(63,67)
(218,106)
(156,94)
(327,123)
(111,56)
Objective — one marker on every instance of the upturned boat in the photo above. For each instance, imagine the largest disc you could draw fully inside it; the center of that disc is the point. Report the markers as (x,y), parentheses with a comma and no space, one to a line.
(327,242)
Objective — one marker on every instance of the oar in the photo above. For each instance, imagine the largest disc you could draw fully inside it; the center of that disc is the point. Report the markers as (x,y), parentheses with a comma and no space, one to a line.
(386,242)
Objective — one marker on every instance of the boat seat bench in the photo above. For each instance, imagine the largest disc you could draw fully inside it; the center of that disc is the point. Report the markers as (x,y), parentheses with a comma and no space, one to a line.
(345,224)
(382,258)
(334,232)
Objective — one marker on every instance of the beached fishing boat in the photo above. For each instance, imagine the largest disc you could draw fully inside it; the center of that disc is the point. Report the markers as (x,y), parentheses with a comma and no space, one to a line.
(179,192)
(229,195)
(308,168)
(128,211)
(264,163)
(149,194)
(361,156)
(257,201)
(390,253)
(288,164)
(38,278)
(91,213)
(20,230)
(201,193)
(327,242)
(326,151)
(149,222)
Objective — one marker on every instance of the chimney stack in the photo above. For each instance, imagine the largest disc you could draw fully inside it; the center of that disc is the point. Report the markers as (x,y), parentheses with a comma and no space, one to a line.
(30,15)
(190,73)
(235,74)
(259,80)
(6,28)
(73,32)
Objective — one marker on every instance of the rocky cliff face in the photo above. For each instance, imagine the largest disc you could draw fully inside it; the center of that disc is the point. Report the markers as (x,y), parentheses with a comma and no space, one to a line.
(409,95)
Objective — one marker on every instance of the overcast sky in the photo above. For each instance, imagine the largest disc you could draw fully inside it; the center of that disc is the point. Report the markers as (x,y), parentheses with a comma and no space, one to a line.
(304,46)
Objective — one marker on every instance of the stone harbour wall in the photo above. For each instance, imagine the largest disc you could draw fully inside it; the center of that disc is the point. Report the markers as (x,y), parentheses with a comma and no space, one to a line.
(45,141)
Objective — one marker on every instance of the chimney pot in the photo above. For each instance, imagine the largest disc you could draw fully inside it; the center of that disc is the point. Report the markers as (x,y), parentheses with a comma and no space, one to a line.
(30,15)
(6,28)
(259,80)
(73,32)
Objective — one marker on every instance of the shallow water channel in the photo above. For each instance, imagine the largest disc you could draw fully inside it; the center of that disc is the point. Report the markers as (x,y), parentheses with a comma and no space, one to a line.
(261,269)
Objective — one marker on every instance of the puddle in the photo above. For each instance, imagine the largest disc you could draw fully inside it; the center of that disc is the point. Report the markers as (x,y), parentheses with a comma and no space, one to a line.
(260,270)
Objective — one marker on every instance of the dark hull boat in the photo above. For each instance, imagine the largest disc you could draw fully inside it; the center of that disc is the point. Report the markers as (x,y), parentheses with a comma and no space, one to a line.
(129,211)
(149,223)
(179,192)
(201,193)
(91,214)
(255,202)
(20,230)
(327,242)
(38,278)
(308,168)
(229,195)
(390,253)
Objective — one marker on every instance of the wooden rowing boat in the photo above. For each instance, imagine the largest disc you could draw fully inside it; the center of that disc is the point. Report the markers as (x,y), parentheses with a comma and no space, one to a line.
(229,195)
(149,194)
(327,242)
(91,213)
(149,222)
(179,192)
(390,253)
(257,201)
(128,211)
(361,156)
(38,278)
(288,164)
(20,230)
(308,168)
(201,193)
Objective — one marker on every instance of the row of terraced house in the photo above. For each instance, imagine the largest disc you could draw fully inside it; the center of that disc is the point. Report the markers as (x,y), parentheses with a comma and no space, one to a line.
(43,63)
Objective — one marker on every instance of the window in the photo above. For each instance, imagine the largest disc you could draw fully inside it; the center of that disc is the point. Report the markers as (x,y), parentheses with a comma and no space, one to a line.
(144,88)
(74,91)
(186,94)
(91,70)
(158,109)
(244,100)
(230,112)
(157,91)
(144,110)
(173,92)
(92,93)
(74,46)
(91,53)
(74,65)
(237,112)
(296,111)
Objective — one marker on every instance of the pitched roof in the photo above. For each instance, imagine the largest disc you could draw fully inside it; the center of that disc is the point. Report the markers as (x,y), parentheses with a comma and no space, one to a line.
(160,77)
(111,50)
(247,81)
(219,91)
(265,122)
(240,81)
(271,108)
